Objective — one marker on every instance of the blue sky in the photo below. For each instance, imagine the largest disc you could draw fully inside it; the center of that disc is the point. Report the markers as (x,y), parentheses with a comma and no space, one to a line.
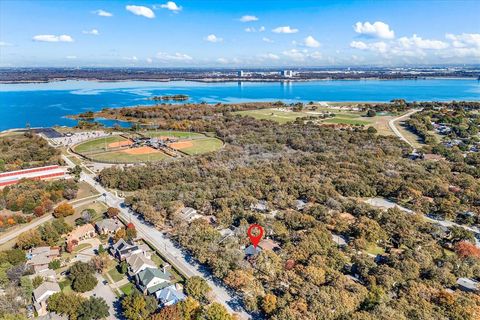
(238,33)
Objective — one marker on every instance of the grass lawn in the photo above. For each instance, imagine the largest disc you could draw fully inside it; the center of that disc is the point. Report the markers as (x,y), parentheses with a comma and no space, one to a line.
(85,190)
(203,146)
(127,289)
(98,206)
(115,275)
(81,247)
(125,157)
(97,144)
(274,115)
(65,286)
(176,134)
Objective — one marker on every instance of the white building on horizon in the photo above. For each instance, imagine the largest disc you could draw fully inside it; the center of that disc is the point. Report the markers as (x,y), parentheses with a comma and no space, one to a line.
(286,73)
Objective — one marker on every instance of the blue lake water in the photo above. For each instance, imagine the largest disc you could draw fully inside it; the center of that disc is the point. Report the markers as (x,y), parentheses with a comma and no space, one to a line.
(46,104)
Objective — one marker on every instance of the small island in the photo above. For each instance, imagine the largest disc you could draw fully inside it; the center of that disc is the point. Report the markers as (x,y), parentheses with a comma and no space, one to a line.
(175,97)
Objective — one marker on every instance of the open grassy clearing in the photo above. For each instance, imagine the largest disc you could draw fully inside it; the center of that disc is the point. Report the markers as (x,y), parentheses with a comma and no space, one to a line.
(97,144)
(203,146)
(175,134)
(85,190)
(346,121)
(274,115)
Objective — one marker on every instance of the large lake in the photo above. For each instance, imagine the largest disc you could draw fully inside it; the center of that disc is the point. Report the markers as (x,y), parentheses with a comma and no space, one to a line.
(46,104)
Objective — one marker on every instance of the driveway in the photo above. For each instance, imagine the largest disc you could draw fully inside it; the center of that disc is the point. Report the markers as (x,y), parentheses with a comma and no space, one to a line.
(103,291)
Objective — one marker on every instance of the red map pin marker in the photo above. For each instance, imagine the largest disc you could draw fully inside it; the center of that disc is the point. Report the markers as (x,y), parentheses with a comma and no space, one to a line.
(255,239)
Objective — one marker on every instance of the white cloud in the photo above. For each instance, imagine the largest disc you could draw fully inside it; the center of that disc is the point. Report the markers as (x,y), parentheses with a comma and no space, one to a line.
(5,44)
(359,45)
(149,60)
(213,38)
(141,11)
(172,6)
(173,57)
(270,56)
(311,42)
(267,40)
(417,42)
(102,13)
(222,60)
(464,40)
(52,38)
(250,29)
(285,29)
(302,55)
(132,58)
(261,29)
(248,18)
(376,30)
(93,32)
(71,57)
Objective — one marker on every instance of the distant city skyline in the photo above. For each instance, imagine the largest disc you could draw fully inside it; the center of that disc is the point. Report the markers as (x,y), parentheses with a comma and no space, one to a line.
(238,34)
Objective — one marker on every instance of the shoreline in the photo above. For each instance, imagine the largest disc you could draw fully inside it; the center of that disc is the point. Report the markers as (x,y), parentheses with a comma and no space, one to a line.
(227,80)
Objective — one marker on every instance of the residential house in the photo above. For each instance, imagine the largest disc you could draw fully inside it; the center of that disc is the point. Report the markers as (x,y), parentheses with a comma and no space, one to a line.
(259,206)
(300,204)
(41,294)
(87,231)
(108,226)
(139,262)
(188,214)
(123,250)
(265,244)
(151,280)
(40,257)
(469,285)
(170,295)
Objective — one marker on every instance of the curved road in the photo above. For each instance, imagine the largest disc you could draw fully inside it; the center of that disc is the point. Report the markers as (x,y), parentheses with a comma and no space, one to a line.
(391,124)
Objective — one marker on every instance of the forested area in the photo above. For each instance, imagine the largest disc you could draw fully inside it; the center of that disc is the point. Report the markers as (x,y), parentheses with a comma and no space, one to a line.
(311,277)
(27,150)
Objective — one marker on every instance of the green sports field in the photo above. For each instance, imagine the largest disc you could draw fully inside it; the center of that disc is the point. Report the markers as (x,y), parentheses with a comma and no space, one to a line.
(97,144)
(203,146)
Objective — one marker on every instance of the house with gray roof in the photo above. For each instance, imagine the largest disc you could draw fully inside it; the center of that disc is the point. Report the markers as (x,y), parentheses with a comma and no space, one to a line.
(108,226)
(41,294)
(123,249)
(151,280)
(139,262)
(188,214)
(170,295)
(469,285)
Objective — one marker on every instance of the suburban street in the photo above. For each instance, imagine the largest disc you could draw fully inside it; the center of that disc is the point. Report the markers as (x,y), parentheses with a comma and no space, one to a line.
(167,248)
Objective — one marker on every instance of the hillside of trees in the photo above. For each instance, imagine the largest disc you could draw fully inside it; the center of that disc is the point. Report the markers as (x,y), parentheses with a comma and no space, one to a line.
(27,150)
(311,277)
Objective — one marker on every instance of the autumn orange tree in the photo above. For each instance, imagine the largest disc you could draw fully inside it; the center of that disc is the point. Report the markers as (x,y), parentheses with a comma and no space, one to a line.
(63,210)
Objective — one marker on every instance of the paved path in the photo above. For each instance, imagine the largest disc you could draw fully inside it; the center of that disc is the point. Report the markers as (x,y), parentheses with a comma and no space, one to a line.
(391,124)
(175,255)
(12,235)
(5,237)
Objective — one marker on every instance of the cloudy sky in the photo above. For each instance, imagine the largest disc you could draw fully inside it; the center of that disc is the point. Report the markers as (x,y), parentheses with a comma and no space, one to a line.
(238,33)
